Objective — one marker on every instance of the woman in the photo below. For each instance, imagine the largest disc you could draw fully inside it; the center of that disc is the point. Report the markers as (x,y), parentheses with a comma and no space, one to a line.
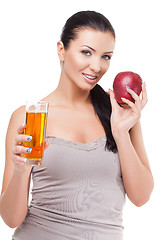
(94,148)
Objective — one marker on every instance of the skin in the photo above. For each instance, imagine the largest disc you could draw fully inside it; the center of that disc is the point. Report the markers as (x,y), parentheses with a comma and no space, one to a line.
(69,118)
(74,63)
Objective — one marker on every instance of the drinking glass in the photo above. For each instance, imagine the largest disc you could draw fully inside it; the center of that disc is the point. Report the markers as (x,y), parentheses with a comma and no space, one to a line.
(36,121)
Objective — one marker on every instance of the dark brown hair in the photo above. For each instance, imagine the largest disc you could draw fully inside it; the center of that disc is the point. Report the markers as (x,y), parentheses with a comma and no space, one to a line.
(100,99)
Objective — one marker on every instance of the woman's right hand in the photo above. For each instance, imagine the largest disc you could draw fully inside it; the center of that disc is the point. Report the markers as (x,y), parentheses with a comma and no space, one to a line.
(19,161)
(18,150)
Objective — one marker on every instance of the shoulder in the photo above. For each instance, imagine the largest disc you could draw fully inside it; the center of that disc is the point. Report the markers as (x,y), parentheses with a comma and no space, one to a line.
(18,116)
(19,111)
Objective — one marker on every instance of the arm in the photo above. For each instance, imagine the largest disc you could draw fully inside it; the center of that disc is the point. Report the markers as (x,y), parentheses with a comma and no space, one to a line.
(137,177)
(136,173)
(16,180)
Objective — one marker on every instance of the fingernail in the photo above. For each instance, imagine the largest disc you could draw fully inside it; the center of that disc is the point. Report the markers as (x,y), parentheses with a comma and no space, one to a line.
(29,139)
(29,150)
(128,87)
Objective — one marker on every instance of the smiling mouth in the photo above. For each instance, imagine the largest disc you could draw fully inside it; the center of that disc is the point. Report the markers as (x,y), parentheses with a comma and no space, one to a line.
(89,76)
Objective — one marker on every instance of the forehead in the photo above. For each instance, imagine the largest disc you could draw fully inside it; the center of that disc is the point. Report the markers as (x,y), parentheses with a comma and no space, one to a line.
(96,39)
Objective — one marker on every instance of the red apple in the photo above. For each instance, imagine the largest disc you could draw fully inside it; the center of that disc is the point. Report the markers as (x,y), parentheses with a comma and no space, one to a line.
(123,79)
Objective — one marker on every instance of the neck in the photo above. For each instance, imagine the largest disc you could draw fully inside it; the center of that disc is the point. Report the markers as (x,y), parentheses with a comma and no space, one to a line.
(69,94)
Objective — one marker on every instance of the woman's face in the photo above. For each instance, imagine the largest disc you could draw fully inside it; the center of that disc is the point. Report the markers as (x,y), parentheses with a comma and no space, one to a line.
(87,58)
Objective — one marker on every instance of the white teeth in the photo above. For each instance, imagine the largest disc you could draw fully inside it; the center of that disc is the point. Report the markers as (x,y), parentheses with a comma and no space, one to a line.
(90,77)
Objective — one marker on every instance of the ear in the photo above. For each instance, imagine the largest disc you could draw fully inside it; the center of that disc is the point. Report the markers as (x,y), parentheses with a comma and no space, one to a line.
(60,50)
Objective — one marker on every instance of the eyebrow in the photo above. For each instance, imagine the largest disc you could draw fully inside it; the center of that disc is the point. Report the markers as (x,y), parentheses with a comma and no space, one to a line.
(95,50)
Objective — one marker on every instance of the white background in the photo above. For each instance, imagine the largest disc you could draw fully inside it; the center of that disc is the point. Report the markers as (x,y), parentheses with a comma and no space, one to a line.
(29,69)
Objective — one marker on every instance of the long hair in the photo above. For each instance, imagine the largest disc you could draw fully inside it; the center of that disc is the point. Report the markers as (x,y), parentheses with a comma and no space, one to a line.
(100,99)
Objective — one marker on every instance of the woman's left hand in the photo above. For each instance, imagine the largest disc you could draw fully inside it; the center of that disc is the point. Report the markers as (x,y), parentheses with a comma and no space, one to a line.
(122,118)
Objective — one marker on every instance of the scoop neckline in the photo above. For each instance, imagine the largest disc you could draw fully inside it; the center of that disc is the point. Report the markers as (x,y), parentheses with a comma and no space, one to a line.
(67,140)
(79,145)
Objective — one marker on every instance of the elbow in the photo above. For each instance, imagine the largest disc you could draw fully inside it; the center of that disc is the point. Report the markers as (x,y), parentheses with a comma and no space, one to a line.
(139,202)
(13,224)
(13,220)
(142,197)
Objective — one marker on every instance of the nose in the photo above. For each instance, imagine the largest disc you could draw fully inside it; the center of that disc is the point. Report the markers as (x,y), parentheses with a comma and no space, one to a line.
(95,65)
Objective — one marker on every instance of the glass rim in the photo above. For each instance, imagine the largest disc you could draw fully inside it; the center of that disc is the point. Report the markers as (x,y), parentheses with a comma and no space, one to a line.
(36,102)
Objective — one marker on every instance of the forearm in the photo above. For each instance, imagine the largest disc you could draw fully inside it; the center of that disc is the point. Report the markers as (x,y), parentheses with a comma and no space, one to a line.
(14,201)
(138,180)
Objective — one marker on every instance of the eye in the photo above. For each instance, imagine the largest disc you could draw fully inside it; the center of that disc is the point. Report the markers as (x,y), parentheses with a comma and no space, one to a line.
(86,52)
(106,57)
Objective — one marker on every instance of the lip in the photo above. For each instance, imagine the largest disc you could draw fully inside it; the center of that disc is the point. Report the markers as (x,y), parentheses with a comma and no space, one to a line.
(89,80)
(90,75)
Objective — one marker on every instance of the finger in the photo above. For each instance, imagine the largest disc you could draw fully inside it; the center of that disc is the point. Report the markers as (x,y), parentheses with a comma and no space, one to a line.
(136,98)
(113,100)
(133,94)
(130,104)
(21,128)
(19,159)
(22,138)
(20,149)
(144,95)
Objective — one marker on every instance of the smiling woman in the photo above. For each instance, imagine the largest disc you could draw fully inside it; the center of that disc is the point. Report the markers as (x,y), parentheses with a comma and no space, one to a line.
(94,151)
(86,47)
(90,60)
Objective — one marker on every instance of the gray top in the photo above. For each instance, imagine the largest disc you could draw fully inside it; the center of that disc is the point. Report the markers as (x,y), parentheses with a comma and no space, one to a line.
(77,194)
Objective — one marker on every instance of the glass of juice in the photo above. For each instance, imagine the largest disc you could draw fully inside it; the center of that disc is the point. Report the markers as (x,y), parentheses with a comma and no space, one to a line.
(36,121)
